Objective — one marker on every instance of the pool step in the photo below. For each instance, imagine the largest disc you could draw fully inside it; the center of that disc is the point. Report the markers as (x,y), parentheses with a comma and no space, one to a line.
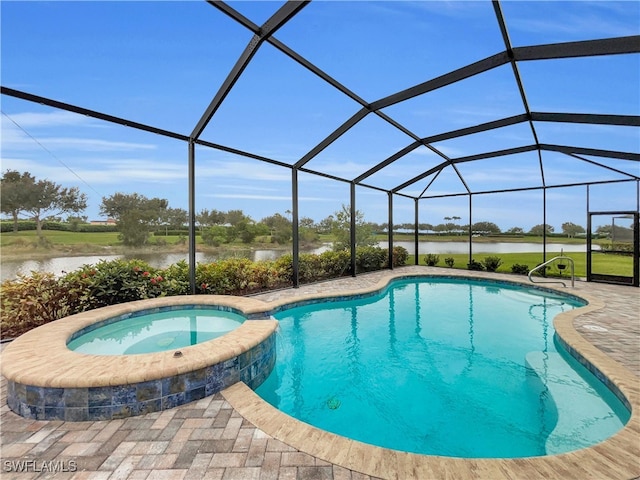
(577,411)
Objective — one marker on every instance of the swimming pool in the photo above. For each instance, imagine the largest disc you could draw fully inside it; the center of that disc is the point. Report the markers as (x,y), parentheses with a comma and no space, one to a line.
(155,331)
(440,366)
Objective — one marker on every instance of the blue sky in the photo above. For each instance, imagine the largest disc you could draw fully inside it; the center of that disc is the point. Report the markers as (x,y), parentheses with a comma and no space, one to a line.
(161,63)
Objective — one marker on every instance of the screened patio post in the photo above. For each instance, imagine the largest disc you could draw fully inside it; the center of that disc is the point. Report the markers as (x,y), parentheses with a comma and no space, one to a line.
(544,227)
(192,216)
(589,238)
(352,242)
(295,229)
(470,228)
(390,230)
(416,238)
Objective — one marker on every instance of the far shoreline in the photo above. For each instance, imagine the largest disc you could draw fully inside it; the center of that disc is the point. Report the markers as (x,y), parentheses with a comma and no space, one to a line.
(11,253)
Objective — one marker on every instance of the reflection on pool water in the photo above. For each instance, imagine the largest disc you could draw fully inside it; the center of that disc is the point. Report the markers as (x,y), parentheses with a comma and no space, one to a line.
(441,367)
(155,332)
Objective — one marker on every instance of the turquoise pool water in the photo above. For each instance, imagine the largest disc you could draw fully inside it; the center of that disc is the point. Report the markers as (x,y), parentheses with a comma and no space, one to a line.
(156,331)
(441,367)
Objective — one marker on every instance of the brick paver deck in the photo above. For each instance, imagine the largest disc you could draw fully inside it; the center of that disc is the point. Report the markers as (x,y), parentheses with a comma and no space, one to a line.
(209,439)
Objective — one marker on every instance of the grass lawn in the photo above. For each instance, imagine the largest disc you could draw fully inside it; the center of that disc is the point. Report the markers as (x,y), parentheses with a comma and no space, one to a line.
(602,263)
(59,238)
(408,237)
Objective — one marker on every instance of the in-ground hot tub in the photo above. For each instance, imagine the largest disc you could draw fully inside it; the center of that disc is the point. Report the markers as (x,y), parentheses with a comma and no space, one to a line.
(48,381)
(156,330)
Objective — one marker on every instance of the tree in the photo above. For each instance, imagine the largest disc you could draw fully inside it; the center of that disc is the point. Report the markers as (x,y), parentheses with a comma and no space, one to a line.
(324,226)
(539,230)
(214,235)
(341,230)
(245,229)
(450,227)
(307,222)
(208,218)
(425,227)
(135,215)
(49,198)
(515,231)
(571,229)
(15,193)
(407,226)
(485,228)
(440,228)
(175,218)
(280,227)
(233,217)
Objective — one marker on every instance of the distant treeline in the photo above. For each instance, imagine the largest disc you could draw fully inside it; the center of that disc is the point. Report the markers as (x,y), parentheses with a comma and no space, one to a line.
(26,225)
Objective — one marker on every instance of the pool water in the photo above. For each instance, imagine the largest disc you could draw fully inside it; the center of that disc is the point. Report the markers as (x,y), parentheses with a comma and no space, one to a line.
(441,367)
(156,332)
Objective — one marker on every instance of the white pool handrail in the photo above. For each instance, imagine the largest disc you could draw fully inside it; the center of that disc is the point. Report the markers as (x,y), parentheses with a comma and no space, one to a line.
(542,265)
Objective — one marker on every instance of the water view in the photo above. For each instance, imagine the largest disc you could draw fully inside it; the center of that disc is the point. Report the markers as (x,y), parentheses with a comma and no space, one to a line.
(59,265)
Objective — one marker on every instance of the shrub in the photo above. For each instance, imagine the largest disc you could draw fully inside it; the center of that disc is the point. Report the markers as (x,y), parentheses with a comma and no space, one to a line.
(474,265)
(114,281)
(210,279)
(491,264)
(263,276)
(283,268)
(520,269)
(23,225)
(369,259)
(176,278)
(431,259)
(29,302)
(225,277)
(449,262)
(335,264)
(85,227)
(310,267)
(400,256)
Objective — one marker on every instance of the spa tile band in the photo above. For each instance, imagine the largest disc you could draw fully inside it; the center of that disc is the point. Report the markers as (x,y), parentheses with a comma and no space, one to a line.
(120,401)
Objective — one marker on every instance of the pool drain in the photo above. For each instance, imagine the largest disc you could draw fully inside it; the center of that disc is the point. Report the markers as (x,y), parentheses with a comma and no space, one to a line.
(333,403)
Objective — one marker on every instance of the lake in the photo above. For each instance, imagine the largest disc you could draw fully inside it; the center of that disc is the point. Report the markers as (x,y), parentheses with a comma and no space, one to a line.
(59,265)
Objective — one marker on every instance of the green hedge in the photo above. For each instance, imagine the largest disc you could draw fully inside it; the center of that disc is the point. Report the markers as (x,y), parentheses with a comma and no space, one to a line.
(26,225)
(23,225)
(618,248)
(39,298)
(175,233)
